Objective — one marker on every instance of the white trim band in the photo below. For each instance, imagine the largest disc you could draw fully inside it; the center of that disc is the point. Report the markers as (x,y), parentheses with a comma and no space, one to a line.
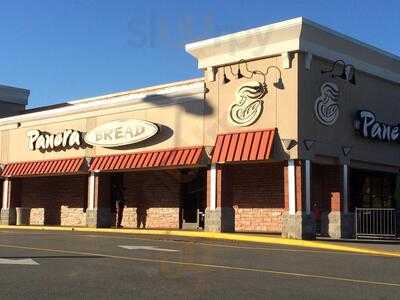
(308,187)
(213,187)
(92,178)
(6,187)
(292,187)
(345,189)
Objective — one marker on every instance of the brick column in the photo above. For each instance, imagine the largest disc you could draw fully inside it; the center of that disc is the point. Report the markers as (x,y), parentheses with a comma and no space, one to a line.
(220,215)
(11,199)
(98,213)
(298,221)
(339,222)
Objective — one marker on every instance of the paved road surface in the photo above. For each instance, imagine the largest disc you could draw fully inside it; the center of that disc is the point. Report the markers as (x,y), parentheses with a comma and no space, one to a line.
(68,265)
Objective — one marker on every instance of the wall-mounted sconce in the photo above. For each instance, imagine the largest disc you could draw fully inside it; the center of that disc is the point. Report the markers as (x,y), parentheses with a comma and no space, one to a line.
(88,161)
(250,74)
(289,143)
(2,166)
(346,150)
(347,71)
(308,144)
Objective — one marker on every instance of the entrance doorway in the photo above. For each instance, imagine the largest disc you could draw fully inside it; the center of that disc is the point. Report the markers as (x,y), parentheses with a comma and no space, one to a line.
(193,198)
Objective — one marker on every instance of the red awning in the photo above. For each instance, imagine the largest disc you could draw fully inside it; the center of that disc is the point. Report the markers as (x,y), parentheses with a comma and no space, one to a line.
(243,146)
(45,167)
(153,159)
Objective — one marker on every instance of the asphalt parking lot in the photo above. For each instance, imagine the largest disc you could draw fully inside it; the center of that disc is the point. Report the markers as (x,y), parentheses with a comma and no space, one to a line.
(74,265)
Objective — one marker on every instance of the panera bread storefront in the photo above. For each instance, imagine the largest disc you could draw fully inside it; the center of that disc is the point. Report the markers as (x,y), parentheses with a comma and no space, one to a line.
(276,138)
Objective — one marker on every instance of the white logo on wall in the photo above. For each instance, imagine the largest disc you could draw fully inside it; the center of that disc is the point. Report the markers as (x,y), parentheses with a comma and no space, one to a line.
(38,140)
(248,104)
(326,106)
(121,133)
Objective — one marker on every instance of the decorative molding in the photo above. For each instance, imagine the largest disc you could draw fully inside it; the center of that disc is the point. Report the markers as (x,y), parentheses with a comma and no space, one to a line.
(176,92)
(295,35)
(211,73)
(286,60)
(308,60)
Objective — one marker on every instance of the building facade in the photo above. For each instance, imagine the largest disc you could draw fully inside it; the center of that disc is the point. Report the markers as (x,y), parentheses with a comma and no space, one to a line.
(292,127)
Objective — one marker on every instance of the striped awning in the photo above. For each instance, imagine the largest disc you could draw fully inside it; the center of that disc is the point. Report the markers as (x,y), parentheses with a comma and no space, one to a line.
(243,146)
(154,159)
(45,167)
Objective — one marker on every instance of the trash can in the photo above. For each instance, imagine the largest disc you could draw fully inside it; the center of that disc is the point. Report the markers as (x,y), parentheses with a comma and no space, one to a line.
(23,215)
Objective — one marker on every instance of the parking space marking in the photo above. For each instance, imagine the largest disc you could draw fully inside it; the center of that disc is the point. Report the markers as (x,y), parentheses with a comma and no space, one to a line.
(149,248)
(211,266)
(24,261)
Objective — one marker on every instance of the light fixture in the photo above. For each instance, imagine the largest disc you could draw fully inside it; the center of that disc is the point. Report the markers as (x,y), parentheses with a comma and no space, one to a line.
(351,74)
(289,143)
(88,161)
(346,150)
(278,84)
(348,71)
(308,144)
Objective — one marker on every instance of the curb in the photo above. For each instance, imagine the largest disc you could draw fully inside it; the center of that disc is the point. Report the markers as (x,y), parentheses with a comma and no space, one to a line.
(239,237)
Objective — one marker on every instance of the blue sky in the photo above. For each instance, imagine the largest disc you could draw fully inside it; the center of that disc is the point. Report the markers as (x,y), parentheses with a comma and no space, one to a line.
(63,50)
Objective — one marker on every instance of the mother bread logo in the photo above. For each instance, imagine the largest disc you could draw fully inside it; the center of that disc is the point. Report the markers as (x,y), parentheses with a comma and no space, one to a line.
(248,104)
(326,106)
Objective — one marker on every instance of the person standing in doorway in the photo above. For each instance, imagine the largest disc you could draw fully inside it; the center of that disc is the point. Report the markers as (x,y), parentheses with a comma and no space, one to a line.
(119,200)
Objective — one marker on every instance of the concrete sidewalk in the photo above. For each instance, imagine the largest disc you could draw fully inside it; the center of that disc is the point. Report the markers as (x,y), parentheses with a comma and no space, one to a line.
(330,245)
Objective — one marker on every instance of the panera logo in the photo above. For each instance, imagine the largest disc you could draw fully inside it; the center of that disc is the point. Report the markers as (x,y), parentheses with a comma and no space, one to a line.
(121,133)
(43,141)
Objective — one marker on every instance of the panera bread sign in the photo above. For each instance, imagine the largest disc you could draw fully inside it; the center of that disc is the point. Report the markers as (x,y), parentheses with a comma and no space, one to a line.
(121,133)
(112,134)
(369,127)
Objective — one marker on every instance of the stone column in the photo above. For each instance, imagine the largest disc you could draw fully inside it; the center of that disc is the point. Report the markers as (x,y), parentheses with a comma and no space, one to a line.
(298,221)
(219,214)
(8,212)
(340,220)
(98,213)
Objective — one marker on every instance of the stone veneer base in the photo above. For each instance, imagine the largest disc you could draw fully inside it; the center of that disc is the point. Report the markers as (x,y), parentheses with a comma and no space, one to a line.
(299,226)
(98,218)
(8,216)
(221,219)
(339,225)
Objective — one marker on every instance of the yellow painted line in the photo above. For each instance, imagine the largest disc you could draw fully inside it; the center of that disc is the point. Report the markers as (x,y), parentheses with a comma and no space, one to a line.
(220,236)
(194,264)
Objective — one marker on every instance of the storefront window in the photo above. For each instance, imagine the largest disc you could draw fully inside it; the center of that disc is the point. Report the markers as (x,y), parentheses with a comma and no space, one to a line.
(372,189)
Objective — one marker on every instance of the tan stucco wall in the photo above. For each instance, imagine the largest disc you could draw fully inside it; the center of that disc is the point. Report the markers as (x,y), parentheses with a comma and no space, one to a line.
(280,105)
(181,123)
(186,121)
(370,93)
